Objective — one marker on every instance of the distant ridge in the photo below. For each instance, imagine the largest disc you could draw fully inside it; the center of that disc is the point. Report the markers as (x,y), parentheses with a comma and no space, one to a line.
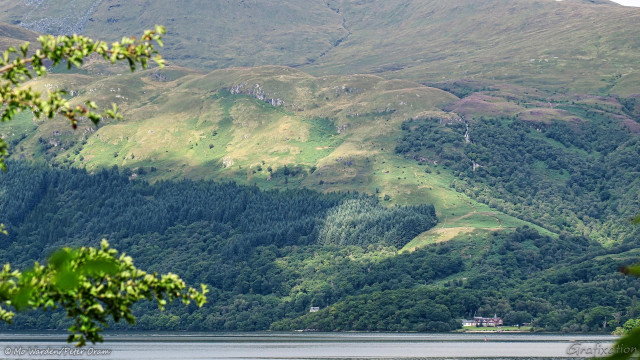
(11,35)
(558,45)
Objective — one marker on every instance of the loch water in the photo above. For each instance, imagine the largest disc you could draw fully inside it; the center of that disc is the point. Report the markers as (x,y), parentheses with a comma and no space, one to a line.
(335,346)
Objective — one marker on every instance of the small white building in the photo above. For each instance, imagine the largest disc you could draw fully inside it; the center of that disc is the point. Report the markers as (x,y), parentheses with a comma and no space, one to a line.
(314,309)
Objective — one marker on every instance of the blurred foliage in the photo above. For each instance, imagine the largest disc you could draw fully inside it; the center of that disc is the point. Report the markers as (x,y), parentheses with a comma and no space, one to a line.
(628,346)
(90,285)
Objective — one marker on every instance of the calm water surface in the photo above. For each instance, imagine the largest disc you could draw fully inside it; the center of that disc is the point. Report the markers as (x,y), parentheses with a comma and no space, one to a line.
(309,346)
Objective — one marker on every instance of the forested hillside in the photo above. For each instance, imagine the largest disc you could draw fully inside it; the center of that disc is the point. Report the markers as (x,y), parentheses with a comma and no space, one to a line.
(44,209)
(564,176)
(270,256)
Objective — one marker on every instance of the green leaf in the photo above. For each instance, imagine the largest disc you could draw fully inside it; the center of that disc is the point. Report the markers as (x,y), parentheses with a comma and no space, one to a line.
(24,48)
(21,299)
(627,346)
(60,259)
(633,270)
(99,267)
(66,280)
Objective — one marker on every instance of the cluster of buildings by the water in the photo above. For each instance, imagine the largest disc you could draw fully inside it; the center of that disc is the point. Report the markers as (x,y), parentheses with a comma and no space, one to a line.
(483,321)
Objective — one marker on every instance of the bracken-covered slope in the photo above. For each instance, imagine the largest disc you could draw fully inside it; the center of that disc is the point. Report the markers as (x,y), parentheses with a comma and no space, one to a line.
(576,45)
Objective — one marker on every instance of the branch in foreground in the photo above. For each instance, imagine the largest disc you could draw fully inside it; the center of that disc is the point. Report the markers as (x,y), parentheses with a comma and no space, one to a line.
(90,285)
(16,67)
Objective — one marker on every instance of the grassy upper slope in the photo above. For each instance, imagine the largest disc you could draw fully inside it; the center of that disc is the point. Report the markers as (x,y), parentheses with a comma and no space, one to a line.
(201,34)
(279,127)
(544,43)
(276,127)
(576,45)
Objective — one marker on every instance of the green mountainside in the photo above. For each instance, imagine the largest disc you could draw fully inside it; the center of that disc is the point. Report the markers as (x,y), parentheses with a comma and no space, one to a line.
(397,155)
(566,46)
(275,127)
(474,156)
